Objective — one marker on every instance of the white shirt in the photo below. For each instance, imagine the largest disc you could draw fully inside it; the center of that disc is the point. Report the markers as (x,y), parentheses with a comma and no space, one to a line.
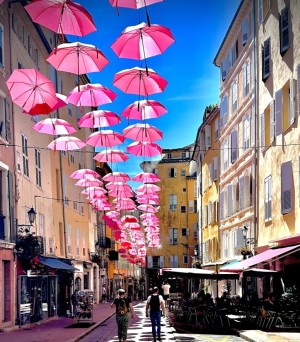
(166,289)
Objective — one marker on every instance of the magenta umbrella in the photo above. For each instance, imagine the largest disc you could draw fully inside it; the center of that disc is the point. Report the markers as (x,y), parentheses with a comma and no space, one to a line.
(84,174)
(146,177)
(61,16)
(111,156)
(105,138)
(77,58)
(99,118)
(144,109)
(54,127)
(147,187)
(144,149)
(89,182)
(66,144)
(142,41)
(142,132)
(91,95)
(116,177)
(148,208)
(32,91)
(139,81)
(93,190)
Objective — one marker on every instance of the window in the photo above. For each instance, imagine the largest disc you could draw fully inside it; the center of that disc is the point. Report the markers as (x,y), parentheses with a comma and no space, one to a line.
(246,133)
(169,155)
(172,172)
(173,238)
(225,245)
(185,232)
(51,246)
(207,136)
(185,259)
(83,243)
(266,59)
(183,209)
(75,197)
(191,206)
(224,69)
(225,155)
(42,225)
(77,241)
(263,9)
(38,170)
(284,30)
(286,187)
(174,261)
(184,189)
(215,167)
(234,96)
(278,112)
(68,239)
(183,173)
(238,240)
(1,47)
(183,155)
(234,146)
(268,198)
(245,31)
(5,131)
(223,111)
(72,157)
(66,190)
(172,202)
(25,155)
(246,78)
(288,104)
(29,46)
(216,129)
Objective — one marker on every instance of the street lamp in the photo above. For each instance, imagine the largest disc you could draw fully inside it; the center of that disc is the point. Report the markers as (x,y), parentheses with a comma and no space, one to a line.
(31,217)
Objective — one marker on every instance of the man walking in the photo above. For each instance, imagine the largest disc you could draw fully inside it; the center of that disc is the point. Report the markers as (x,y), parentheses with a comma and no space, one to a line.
(156,303)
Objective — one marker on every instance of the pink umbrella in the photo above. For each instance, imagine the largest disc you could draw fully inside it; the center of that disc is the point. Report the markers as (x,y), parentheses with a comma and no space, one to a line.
(139,81)
(147,208)
(142,132)
(146,177)
(66,144)
(142,41)
(89,182)
(112,156)
(61,16)
(54,127)
(146,200)
(99,118)
(117,185)
(144,109)
(120,193)
(145,149)
(105,138)
(116,177)
(91,95)
(84,174)
(129,219)
(61,102)
(147,187)
(77,58)
(93,190)
(32,91)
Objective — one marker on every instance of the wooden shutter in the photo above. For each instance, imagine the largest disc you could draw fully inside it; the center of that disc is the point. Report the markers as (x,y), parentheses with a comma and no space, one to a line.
(278,112)
(262,130)
(284,30)
(292,103)
(241,192)
(272,122)
(286,187)
(229,200)
(266,60)
(215,166)
(207,136)
(234,146)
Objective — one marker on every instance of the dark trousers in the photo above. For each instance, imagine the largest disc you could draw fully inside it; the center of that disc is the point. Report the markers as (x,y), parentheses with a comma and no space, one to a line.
(155,321)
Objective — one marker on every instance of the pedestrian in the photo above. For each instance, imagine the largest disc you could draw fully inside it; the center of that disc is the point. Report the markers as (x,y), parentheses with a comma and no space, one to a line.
(156,303)
(166,290)
(74,301)
(124,310)
(104,294)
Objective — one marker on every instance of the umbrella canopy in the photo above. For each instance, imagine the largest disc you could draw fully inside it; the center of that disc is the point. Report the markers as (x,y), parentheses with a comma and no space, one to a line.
(142,132)
(93,190)
(89,182)
(99,118)
(146,200)
(121,193)
(84,174)
(144,149)
(92,95)
(105,138)
(32,91)
(54,127)
(61,16)
(61,102)
(146,177)
(144,109)
(111,156)
(129,219)
(118,185)
(139,81)
(116,177)
(146,187)
(66,144)
(134,4)
(148,208)
(142,41)
(77,58)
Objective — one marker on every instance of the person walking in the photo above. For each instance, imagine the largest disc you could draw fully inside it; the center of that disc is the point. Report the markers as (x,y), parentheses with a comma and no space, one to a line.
(124,310)
(74,301)
(104,294)
(166,290)
(155,303)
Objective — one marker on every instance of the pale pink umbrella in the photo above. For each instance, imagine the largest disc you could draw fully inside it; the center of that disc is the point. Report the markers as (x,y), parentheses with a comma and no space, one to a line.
(152,195)
(99,196)
(117,185)
(142,132)
(105,138)
(144,149)
(148,215)
(144,109)
(93,190)
(92,95)
(89,182)
(84,174)
(99,118)
(132,225)
(103,207)
(116,177)
(54,127)
(147,208)
(139,81)
(111,156)
(146,200)
(146,177)
(120,193)
(61,16)
(66,144)
(146,187)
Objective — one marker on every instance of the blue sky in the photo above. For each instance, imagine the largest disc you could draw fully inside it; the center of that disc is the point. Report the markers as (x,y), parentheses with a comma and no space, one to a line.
(198,27)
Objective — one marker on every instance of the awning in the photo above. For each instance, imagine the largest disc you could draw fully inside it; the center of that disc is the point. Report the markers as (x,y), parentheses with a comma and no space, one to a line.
(56,263)
(260,258)
(198,273)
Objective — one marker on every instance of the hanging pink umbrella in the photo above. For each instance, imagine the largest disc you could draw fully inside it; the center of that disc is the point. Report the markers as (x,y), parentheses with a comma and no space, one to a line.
(144,109)
(111,156)
(147,187)
(139,81)
(93,190)
(91,95)
(147,208)
(120,193)
(89,182)
(142,132)
(77,58)
(118,185)
(61,102)
(146,200)
(142,41)
(105,138)
(146,177)
(116,177)
(84,174)
(145,149)
(54,127)
(32,91)
(61,16)
(66,144)
(129,219)
(99,118)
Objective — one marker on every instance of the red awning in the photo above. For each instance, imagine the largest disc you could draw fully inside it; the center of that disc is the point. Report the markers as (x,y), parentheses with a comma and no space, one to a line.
(260,258)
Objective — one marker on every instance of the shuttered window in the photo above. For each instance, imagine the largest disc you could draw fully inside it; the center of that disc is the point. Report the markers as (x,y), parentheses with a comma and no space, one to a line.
(234,147)
(215,165)
(262,130)
(174,261)
(224,69)
(272,121)
(284,30)
(286,187)
(268,198)
(245,30)
(298,87)
(291,102)
(207,136)
(278,112)
(221,213)
(241,193)
(234,96)
(238,240)
(246,133)
(173,237)
(229,191)
(246,78)
(266,59)
(224,111)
